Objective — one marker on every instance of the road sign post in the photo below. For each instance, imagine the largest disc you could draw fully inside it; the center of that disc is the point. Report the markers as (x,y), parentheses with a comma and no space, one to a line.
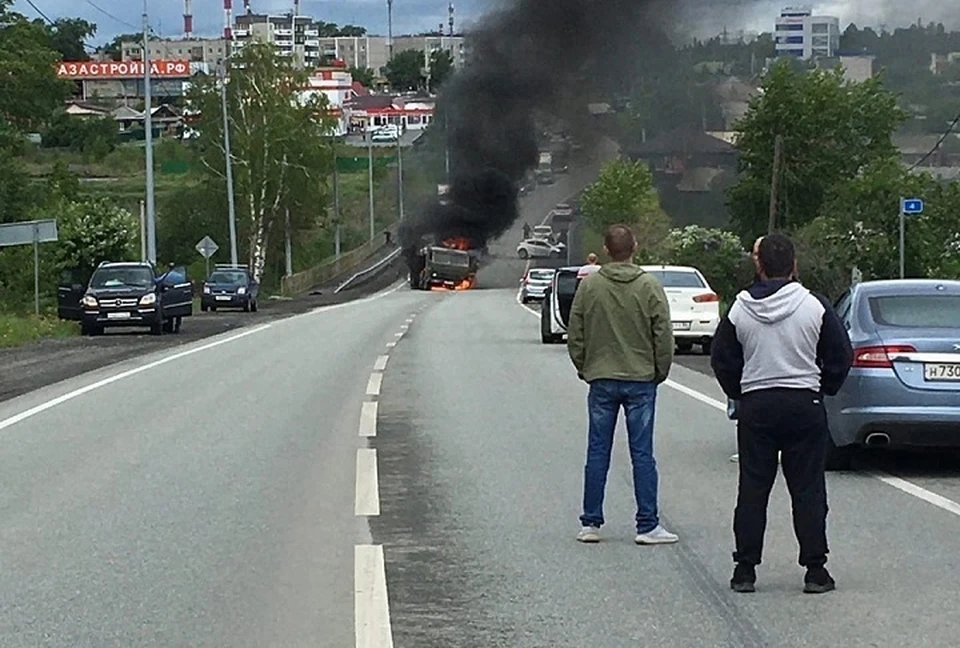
(207,247)
(30,233)
(908,207)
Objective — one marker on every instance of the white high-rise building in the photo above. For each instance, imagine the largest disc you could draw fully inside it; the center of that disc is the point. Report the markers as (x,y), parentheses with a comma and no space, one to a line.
(801,34)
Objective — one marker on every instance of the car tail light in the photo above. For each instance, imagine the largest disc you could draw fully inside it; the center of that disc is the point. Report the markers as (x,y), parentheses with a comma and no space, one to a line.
(878,357)
(706,298)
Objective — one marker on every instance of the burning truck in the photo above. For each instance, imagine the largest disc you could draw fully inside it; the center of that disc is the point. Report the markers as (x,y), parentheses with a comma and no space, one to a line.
(449,265)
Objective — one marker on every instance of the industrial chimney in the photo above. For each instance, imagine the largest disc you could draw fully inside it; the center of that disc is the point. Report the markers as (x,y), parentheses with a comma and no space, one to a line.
(296,7)
(228,20)
(450,19)
(246,7)
(187,19)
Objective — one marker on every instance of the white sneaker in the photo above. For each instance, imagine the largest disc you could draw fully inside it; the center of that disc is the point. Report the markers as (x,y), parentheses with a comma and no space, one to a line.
(589,534)
(656,536)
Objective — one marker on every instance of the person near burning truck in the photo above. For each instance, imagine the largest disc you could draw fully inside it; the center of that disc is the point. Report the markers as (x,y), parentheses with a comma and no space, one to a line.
(778,350)
(621,342)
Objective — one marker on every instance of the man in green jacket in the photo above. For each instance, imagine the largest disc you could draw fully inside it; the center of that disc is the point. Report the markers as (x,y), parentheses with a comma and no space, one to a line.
(621,342)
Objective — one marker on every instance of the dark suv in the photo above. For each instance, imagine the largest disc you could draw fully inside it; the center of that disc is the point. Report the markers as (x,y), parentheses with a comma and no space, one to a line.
(127,294)
(230,286)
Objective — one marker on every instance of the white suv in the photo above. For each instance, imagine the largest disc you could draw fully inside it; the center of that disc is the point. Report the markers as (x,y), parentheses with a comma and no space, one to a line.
(694,306)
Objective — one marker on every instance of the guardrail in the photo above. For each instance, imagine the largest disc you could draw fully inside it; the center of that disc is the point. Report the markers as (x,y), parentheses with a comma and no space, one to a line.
(300,282)
(374,268)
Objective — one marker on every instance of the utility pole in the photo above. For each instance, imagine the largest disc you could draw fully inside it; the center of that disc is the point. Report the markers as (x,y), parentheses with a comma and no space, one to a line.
(774,183)
(903,252)
(148,142)
(370,181)
(288,244)
(231,208)
(400,176)
(389,30)
(336,206)
(143,230)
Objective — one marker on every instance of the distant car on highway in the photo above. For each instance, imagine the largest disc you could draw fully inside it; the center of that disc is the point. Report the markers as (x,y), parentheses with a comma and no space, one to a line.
(534,248)
(127,294)
(534,284)
(230,287)
(694,306)
(904,386)
(556,304)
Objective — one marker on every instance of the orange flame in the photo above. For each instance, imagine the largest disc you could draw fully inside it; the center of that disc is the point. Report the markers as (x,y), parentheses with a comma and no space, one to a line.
(457,243)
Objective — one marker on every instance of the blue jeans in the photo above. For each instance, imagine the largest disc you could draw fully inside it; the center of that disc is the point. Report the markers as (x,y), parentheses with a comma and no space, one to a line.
(604,401)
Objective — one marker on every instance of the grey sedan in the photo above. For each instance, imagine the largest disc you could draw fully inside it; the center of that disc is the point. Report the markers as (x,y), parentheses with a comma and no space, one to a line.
(904,387)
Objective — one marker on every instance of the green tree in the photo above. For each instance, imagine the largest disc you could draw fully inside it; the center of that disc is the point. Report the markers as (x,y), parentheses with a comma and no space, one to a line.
(859,227)
(831,129)
(624,193)
(68,37)
(441,67)
(352,31)
(280,144)
(363,76)
(405,70)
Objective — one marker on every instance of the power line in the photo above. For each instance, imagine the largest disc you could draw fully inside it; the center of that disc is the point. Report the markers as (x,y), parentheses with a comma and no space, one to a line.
(943,138)
(54,24)
(110,15)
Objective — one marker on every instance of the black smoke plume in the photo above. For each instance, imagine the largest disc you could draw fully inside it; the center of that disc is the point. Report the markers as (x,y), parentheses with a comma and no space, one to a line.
(529,60)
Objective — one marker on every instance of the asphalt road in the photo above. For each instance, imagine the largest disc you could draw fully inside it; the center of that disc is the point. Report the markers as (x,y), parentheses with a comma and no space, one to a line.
(406,471)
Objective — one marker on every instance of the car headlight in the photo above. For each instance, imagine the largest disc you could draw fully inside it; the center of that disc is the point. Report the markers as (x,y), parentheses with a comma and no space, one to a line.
(206,290)
(241,290)
(148,299)
(89,301)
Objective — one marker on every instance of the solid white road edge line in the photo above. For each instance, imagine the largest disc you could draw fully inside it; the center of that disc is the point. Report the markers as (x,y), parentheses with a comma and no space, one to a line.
(368,489)
(368,419)
(42,407)
(381,363)
(899,483)
(373,385)
(371,607)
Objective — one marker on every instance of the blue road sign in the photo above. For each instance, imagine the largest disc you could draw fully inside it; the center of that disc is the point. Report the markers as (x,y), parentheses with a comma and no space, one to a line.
(912,206)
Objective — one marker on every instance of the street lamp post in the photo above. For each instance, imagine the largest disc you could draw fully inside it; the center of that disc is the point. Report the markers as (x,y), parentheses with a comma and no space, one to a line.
(151,206)
(231,208)
(370,180)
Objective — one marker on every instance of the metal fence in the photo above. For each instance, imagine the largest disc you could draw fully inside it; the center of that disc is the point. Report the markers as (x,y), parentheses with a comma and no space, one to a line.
(301,282)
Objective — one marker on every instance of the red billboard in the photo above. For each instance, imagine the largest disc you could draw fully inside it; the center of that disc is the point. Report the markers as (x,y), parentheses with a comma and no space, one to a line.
(160,69)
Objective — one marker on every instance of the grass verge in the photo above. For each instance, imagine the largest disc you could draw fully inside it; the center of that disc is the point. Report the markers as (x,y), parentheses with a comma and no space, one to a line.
(16,330)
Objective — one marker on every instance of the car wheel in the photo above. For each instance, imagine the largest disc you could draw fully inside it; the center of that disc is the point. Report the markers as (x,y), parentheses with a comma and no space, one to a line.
(169,326)
(255,306)
(246,306)
(90,330)
(204,308)
(157,329)
(839,457)
(705,347)
(684,347)
(523,254)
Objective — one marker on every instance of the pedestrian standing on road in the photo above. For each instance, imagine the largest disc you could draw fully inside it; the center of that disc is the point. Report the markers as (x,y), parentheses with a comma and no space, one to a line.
(591,266)
(779,350)
(621,342)
(526,231)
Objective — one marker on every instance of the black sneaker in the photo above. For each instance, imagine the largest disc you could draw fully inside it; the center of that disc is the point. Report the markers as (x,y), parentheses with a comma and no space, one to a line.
(818,581)
(744,578)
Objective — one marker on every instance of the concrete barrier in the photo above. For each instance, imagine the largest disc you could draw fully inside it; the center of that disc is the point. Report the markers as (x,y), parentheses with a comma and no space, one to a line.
(301,282)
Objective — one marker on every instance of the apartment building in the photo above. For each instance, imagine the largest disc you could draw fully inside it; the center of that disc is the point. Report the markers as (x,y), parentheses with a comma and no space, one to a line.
(197,50)
(801,34)
(373,51)
(294,36)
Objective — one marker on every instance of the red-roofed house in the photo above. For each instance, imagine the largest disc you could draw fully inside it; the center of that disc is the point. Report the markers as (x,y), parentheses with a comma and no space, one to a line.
(372,111)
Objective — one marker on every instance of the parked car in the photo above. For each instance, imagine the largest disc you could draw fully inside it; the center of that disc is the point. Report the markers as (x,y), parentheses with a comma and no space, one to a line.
(556,305)
(534,284)
(904,387)
(388,133)
(694,306)
(543,232)
(539,248)
(127,294)
(230,286)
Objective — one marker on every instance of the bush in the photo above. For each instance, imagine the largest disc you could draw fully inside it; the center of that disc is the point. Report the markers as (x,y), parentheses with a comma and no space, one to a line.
(717,253)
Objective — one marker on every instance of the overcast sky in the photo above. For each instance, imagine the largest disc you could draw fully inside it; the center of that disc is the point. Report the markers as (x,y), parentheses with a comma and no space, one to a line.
(120,16)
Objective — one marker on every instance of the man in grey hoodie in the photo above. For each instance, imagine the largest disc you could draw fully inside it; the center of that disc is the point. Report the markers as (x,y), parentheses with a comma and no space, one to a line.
(778,350)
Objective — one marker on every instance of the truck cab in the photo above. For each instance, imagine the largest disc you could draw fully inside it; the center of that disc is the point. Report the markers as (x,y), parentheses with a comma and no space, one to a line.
(126,294)
(443,267)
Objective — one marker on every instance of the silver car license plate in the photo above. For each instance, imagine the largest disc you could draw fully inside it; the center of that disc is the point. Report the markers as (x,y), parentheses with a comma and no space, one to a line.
(223,297)
(941,372)
(681,326)
(118,316)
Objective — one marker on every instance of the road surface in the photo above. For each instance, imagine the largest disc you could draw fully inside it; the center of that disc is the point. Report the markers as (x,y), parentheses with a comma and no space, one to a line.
(406,471)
